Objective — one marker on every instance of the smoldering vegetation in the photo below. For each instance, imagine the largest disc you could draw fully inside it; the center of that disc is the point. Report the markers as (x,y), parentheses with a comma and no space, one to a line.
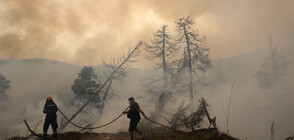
(252,110)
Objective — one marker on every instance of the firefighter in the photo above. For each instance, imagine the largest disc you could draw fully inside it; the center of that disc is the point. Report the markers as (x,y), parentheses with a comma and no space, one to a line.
(134,115)
(50,110)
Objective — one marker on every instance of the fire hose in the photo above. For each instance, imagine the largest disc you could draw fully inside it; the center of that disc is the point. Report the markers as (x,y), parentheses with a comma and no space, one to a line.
(97,127)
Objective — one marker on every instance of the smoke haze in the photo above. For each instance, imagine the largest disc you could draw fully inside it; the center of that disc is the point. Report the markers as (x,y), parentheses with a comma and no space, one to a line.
(66,35)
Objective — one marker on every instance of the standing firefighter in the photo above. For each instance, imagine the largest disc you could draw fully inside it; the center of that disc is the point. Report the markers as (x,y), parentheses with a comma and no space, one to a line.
(134,115)
(50,110)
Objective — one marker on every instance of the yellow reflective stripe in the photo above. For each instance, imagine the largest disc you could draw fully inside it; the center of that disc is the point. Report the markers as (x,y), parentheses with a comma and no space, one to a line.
(44,132)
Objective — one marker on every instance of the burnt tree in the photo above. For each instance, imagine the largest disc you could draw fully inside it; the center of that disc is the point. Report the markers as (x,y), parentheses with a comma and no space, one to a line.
(4,85)
(271,75)
(272,69)
(118,76)
(123,61)
(273,131)
(195,55)
(227,110)
(191,120)
(160,49)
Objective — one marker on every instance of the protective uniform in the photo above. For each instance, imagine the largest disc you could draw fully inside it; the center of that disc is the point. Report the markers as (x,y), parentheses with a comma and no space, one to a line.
(50,110)
(134,115)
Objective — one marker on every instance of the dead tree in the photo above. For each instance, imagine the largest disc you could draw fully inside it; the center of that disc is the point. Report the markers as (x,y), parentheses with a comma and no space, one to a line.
(178,118)
(195,56)
(160,49)
(196,118)
(271,74)
(4,85)
(227,112)
(211,121)
(273,68)
(122,63)
(119,76)
(191,120)
(273,131)
(104,99)
(86,84)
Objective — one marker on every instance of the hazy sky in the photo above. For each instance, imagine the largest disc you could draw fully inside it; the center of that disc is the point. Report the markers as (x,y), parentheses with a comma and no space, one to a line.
(86,32)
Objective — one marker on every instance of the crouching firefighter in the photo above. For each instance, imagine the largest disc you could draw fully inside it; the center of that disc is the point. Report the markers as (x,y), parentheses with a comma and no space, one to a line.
(134,115)
(50,110)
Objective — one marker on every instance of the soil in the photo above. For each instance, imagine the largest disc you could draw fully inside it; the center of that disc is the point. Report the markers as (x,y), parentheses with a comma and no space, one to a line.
(202,134)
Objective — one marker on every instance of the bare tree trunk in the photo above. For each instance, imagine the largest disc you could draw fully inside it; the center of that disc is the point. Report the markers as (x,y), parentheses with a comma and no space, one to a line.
(273,57)
(164,66)
(228,112)
(108,79)
(104,98)
(162,98)
(211,121)
(273,131)
(190,65)
(164,94)
(276,73)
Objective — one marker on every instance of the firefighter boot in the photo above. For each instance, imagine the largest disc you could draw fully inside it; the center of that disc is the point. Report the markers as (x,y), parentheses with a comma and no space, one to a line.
(44,134)
(54,134)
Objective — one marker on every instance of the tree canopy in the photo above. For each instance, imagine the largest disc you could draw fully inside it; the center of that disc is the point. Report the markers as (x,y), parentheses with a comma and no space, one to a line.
(85,86)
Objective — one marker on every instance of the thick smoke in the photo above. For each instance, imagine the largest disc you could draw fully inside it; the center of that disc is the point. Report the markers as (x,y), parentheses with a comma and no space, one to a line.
(86,33)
